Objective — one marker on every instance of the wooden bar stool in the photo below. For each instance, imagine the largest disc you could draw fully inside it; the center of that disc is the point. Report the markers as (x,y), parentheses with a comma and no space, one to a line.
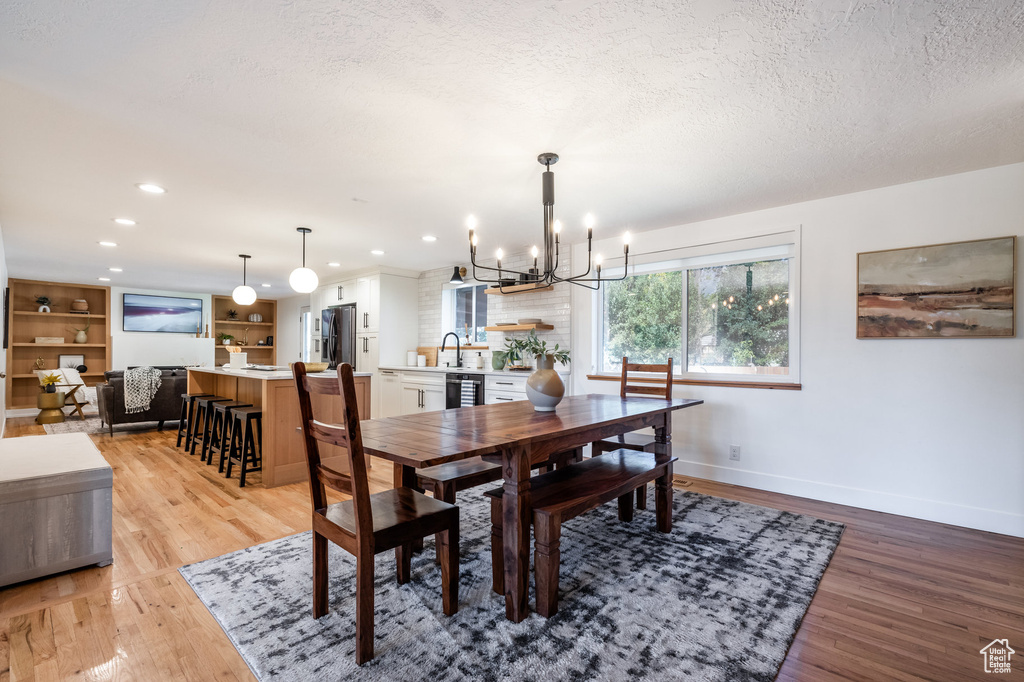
(246,441)
(220,426)
(202,415)
(657,386)
(188,405)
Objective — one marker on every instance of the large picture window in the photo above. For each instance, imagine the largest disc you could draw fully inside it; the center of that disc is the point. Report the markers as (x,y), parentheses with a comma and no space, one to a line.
(721,315)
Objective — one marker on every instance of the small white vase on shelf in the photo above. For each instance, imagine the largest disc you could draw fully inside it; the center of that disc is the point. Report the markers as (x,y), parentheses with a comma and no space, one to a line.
(81,337)
(544,388)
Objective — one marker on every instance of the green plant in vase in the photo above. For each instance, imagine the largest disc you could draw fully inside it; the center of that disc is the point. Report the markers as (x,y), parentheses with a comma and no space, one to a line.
(514,350)
(546,358)
(80,333)
(225,338)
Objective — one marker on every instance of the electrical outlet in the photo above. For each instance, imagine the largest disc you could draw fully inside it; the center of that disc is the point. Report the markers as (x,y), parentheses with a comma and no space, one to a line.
(734,452)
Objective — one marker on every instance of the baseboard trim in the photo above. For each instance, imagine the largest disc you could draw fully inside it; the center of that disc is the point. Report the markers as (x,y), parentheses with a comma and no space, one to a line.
(979,518)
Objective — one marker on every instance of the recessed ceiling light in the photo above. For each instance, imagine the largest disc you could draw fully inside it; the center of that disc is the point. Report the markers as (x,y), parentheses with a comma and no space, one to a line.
(151,188)
(103,279)
(429,238)
(124,221)
(377,252)
(115,269)
(108,243)
(335,265)
(264,285)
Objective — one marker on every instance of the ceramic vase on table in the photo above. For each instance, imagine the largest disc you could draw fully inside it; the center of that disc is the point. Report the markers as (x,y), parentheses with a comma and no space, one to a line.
(544,388)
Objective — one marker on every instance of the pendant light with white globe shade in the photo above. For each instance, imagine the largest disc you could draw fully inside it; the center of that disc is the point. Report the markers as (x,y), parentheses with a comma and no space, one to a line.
(303,280)
(243,293)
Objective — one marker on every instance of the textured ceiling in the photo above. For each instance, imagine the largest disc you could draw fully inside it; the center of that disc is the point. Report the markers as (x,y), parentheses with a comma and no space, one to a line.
(375,123)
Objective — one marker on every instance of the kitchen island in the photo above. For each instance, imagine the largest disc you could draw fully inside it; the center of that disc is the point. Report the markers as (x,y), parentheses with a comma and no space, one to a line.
(284,459)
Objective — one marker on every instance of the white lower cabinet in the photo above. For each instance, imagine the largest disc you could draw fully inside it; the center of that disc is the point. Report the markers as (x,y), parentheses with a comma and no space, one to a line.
(422,393)
(390,393)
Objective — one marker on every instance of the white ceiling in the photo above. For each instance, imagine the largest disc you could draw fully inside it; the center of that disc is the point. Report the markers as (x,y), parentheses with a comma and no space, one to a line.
(375,123)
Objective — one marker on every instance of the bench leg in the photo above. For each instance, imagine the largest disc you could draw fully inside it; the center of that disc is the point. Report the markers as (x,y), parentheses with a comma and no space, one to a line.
(626,507)
(546,557)
(446,493)
(663,500)
(641,497)
(497,548)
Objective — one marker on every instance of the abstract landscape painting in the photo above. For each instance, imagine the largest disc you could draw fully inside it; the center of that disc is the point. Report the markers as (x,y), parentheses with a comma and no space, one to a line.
(963,289)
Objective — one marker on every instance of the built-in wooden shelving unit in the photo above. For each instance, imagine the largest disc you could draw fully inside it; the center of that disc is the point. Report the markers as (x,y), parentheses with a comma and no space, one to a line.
(258,331)
(25,323)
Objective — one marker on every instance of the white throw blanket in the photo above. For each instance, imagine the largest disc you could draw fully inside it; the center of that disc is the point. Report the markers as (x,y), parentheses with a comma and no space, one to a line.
(140,386)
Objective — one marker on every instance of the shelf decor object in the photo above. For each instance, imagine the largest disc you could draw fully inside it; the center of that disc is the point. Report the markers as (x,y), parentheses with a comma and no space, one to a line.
(303,280)
(243,293)
(537,278)
(235,327)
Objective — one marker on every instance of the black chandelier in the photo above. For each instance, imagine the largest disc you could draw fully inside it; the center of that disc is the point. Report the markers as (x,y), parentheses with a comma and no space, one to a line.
(552,228)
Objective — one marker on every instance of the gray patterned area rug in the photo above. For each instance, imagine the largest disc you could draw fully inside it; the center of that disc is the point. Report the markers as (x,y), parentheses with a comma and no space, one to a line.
(720,598)
(93,424)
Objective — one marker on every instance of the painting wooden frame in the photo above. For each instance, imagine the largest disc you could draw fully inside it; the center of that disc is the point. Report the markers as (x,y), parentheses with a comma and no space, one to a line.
(939,291)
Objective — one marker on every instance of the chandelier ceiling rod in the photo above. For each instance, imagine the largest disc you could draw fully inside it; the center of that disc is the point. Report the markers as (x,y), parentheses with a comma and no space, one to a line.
(552,231)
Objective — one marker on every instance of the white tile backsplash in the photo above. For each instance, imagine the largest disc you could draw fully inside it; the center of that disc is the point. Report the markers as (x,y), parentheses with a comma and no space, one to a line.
(550,305)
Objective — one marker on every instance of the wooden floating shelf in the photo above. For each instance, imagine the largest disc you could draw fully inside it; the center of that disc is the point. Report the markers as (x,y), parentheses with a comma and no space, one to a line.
(517,289)
(222,346)
(518,327)
(262,324)
(60,345)
(38,314)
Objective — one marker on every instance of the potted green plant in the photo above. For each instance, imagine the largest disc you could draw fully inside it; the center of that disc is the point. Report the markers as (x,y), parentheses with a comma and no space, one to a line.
(44,303)
(545,358)
(514,351)
(225,338)
(232,314)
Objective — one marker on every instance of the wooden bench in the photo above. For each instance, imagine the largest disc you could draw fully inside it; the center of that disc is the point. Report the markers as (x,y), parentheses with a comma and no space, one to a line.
(570,491)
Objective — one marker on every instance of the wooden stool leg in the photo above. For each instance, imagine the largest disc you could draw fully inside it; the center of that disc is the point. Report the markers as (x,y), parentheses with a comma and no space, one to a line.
(182,421)
(320,586)
(364,606)
(244,456)
(193,429)
(226,438)
(446,493)
(211,437)
(450,568)
(626,507)
(236,434)
(663,500)
(546,557)
(403,561)
(641,497)
(497,548)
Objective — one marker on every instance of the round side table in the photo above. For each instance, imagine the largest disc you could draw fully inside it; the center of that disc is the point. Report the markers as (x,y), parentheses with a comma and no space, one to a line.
(50,407)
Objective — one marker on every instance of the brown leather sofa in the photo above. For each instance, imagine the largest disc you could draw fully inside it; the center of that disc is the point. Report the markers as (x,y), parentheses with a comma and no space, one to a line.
(165,406)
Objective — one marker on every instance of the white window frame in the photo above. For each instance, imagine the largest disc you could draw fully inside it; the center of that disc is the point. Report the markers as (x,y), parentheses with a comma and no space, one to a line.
(448,309)
(771,246)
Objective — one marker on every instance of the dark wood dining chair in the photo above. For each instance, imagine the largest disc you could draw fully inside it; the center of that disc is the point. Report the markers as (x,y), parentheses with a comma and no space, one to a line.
(658,386)
(366,524)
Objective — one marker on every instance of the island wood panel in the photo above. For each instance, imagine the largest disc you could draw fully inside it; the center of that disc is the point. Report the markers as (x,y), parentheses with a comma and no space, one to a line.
(284,459)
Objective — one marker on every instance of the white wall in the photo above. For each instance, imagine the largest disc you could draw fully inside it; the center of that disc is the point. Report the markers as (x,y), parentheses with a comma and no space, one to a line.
(930,428)
(156,348)
(286,337)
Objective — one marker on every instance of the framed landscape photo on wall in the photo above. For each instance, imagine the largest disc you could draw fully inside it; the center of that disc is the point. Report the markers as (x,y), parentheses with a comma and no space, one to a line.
(955,290)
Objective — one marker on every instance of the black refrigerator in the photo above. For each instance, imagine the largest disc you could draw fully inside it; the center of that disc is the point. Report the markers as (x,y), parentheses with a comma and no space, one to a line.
(339,335)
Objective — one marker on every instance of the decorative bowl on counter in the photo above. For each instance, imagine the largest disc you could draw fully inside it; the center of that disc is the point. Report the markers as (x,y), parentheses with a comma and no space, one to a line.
(312,367)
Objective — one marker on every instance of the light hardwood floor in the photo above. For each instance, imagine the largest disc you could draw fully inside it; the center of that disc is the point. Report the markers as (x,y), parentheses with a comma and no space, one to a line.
(902,599)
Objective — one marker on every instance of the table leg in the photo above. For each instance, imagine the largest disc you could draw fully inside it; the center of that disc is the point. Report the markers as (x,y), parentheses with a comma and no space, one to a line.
(663,486)
(516,510)
(405,477)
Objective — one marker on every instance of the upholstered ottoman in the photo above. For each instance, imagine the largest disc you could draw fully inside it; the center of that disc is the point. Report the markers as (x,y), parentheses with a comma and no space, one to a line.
(55,506)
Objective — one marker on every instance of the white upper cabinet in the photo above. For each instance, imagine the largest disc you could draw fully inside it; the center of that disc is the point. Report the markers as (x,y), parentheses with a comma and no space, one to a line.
(368,303)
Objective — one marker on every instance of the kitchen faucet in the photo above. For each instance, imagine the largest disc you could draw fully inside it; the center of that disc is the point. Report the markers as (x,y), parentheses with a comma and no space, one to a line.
(458,346)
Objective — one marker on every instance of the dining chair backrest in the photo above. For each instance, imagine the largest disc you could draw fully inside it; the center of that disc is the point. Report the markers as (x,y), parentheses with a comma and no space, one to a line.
(345,435)
(660,386)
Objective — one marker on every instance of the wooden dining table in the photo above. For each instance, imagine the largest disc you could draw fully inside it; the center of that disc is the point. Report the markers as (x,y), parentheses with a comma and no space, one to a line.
(519,438)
